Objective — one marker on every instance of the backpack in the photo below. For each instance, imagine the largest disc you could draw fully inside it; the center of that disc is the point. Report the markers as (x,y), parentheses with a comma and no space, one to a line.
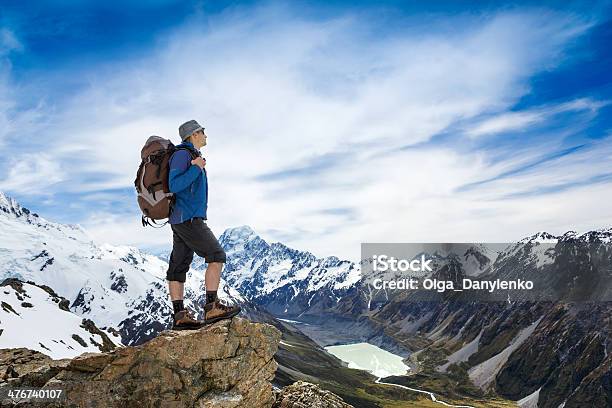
(154,197)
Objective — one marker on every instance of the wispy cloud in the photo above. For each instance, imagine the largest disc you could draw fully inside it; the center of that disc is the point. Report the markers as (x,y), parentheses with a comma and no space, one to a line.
(307,118)
(9,42)
(32,173)
(313,167)
(523,167)
(556,171)
(517,121)
(16,119)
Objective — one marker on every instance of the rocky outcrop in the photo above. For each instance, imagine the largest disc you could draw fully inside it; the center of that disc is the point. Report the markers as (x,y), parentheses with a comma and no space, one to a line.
(302,394)
(227,364)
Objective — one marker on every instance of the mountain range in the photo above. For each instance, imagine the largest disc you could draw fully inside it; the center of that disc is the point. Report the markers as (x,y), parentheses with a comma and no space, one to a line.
(553,354)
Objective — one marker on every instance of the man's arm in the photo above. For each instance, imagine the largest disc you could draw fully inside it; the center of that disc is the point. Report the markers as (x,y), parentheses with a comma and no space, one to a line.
(182,172)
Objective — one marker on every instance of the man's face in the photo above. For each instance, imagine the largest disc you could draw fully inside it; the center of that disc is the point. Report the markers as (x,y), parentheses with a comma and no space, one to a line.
(199,138)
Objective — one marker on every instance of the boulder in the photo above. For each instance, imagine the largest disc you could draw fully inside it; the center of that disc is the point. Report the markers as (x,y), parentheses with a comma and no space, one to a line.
(302,394)
(227,364)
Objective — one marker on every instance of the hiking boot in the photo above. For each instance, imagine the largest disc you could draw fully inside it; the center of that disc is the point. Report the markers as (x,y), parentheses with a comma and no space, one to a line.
(184,320)
(215,311)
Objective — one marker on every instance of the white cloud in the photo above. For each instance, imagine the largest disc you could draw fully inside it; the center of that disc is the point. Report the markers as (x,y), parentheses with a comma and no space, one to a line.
(115,229)
(522,120)
(506,122)
(32,173)
(587,163)
(276,90)
(289,88)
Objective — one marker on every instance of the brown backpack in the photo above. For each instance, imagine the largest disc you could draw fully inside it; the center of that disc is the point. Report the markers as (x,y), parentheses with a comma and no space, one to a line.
(154,197)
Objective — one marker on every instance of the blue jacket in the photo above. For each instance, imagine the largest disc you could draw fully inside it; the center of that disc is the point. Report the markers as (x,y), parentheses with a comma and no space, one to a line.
(189,185)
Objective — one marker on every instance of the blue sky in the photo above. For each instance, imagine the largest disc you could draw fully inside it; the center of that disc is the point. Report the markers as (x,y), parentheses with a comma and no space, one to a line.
(329,124)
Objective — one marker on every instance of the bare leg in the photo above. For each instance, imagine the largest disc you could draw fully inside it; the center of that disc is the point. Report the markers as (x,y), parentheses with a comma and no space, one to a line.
(213,275)
(176,290)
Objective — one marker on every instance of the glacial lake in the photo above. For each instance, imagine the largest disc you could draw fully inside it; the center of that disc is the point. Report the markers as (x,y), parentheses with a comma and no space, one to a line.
(365,356)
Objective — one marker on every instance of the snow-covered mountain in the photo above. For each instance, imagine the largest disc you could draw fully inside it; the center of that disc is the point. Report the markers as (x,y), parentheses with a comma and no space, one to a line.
(603,235)
(115,286)
(293,283)
(28,308)
(283,280)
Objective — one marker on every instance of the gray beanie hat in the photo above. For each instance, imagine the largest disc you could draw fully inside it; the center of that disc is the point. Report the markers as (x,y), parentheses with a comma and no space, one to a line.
(189,128)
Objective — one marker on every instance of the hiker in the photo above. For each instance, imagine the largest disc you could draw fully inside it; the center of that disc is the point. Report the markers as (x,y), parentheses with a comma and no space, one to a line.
(187,180)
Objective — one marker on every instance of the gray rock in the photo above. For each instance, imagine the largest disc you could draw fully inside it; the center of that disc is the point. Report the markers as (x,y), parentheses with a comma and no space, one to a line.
(303,394)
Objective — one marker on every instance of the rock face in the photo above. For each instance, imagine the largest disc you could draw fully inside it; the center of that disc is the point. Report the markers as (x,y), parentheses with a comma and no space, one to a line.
(228,364)
(302,394)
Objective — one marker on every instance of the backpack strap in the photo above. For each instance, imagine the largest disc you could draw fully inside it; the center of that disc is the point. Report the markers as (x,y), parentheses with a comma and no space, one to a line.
(151,222)
(194,152)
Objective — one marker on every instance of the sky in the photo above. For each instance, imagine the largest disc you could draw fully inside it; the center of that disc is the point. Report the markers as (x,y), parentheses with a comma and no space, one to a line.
(329,123)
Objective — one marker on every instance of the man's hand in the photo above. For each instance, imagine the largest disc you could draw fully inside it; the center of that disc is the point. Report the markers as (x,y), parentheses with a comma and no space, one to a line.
(199,161)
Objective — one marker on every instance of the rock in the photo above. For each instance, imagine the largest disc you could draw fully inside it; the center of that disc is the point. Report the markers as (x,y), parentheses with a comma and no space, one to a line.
(302,394)
(21,365)
(228,364)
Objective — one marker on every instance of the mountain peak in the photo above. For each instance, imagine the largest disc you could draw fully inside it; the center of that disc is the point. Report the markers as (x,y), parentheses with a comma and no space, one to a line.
(8,202)
(238,235)
(10,206)
(541,237)
(241,230)
(602,234)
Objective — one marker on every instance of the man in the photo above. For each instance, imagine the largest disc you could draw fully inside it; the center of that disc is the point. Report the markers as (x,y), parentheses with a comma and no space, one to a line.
(187,180)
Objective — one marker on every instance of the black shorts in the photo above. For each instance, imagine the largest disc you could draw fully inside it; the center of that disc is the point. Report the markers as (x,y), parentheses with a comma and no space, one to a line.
(189,237)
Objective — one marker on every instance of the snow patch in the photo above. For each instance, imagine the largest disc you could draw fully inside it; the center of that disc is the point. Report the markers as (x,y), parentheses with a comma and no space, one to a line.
(530,401)
(463,354)
(39,313)
(484,373)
